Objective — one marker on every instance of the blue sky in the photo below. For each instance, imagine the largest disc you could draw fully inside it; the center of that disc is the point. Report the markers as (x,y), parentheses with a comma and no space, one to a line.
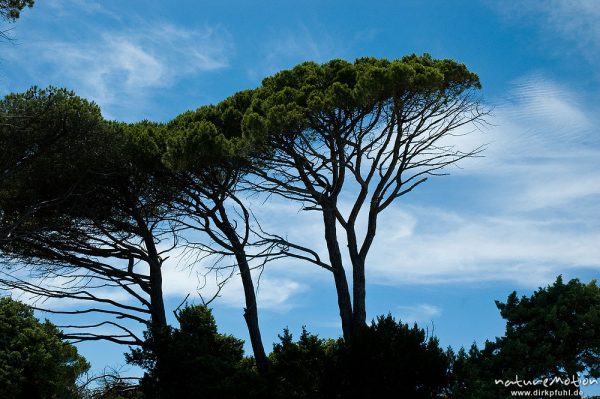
(512,220)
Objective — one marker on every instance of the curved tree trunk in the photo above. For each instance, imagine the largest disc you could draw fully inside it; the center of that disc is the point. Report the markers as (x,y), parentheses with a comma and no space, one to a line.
(158,324)
(159,318)
(251,309)
(251,313)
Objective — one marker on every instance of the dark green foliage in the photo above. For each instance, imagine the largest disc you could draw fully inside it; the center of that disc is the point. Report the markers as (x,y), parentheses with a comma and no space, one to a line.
(34,362)
(59,151)
(70,157)
(303,369)
(11,9)
(391,359)
(83,196)
(473,373)
(197,361)
(388,359)
(51,139)
(35,122)
(553,333)
(211,136)
(306,96)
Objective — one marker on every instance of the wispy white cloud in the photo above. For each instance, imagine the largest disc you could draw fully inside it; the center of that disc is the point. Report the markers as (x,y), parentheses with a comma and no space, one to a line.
(122,69)
(536,216)
(573,22)
(275,292)
(544,147)
(67,7)
(286,49)
(418,313)
(525,251)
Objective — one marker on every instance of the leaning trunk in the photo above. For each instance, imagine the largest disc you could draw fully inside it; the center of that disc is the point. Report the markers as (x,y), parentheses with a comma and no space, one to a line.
(159,318)
(251,313)
(251,309)
(157,305)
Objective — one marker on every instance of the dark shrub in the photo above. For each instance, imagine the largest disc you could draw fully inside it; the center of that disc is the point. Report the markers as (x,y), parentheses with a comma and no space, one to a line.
(303,369)
(197,361)
(389,359)
(555,332)
(386,360)
(34,362)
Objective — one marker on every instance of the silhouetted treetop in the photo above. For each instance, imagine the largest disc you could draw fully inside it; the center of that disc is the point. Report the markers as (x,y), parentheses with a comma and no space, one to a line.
(11,9)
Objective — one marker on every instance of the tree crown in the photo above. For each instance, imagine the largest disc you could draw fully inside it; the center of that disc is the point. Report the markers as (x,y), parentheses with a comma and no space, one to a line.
(11,9)
(291,99)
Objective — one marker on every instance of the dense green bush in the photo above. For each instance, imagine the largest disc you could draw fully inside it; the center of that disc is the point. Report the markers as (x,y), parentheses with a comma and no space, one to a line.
(553,333)
(34,362)
(388,359)
(303,369)
(197,361)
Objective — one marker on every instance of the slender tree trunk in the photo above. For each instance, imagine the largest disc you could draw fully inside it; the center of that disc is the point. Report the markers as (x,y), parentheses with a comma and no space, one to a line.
(251,309)
(359,314)
(158,324)
(344,304)
(339,274)
(358,258)
(251,313)
(358,263)
(159,318)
